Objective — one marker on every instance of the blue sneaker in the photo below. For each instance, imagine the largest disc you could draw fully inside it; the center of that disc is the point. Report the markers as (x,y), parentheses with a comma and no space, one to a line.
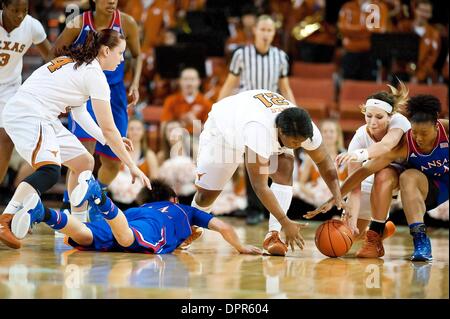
(87,189)
(32,212)
(422,247)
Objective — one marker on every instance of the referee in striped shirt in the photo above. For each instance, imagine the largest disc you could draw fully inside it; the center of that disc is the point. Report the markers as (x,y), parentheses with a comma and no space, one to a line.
(258,66)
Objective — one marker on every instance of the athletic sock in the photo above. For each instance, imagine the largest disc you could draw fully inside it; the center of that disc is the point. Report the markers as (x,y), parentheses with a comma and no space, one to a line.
(81,216)
(416,228)
(55,219)
(107,207)
(283,194)
(377,226)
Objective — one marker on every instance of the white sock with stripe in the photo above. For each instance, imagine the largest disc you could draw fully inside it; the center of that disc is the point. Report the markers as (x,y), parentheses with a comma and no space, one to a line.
(81,216)
(283,194)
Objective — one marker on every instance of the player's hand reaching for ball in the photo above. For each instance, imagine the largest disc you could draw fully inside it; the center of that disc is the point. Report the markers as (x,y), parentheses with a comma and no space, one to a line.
(136,173)
(320,210)
(250,250)
(292,232)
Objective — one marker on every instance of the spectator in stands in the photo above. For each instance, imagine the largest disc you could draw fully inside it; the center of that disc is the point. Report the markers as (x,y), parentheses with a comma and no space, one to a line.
(182,6)
(243,34)
(153,17)
(177,168)
(258,66)
(318,44)
(155,87)
(311,187)
(397,11)
(173,142)
(358,19)
(122,190)
(430,41)
(188,106)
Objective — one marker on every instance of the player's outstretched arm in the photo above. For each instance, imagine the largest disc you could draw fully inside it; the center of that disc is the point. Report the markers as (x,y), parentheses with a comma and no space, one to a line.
(351,213)
(389,141)
(371,167)
(229,234)
(328,172)
(258,170)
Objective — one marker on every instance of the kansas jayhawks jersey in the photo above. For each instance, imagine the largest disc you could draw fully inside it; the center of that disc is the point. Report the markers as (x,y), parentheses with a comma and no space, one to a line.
(158,228)
(181,216)
(117,75)
(435,164)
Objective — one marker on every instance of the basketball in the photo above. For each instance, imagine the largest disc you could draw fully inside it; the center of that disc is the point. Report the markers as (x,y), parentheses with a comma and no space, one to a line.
(333,238)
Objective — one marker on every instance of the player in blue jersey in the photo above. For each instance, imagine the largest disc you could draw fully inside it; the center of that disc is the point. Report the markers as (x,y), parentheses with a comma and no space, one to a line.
(159,226)
(424,184)
(106,16)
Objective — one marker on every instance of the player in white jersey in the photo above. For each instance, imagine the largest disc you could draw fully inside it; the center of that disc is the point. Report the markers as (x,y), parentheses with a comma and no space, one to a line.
(31,119)
(18,31)
(371,200)
(265,127)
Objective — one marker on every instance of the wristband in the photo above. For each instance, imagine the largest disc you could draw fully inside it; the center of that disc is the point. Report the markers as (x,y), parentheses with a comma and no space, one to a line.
(362,154)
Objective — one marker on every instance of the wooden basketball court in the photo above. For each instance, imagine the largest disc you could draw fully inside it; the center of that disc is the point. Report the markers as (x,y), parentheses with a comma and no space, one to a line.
(46,268)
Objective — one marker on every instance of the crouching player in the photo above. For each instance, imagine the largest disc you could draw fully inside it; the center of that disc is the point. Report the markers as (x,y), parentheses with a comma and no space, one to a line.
(159,226)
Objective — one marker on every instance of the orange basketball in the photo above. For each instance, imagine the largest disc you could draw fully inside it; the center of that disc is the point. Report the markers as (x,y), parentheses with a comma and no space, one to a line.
(333,238)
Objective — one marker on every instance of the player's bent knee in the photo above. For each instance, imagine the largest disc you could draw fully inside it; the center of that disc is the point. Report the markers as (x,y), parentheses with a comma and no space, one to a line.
(125,239)
(88,163)
(82,163)
(44,178)
(408,179)
(386,176)
(83,237)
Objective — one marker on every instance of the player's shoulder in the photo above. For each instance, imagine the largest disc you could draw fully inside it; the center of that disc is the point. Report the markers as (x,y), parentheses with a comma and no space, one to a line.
(399,121)
(399,116)
(127,20)
(444,123)
(93,68)
(30,22)
(30,19)
(361,131)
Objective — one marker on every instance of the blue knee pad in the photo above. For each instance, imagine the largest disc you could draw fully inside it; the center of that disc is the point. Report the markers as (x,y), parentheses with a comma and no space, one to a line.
(44,178)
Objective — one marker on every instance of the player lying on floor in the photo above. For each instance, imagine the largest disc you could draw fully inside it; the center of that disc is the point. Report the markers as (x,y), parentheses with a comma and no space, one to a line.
(159,226)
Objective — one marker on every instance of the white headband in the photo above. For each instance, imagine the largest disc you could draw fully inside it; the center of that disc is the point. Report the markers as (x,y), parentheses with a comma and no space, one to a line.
(379,104)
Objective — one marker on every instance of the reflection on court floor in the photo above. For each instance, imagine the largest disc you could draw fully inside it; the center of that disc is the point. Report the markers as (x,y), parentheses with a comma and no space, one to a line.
(46,268)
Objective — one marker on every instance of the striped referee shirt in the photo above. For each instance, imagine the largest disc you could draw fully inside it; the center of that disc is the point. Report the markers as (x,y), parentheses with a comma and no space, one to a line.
(259,71)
